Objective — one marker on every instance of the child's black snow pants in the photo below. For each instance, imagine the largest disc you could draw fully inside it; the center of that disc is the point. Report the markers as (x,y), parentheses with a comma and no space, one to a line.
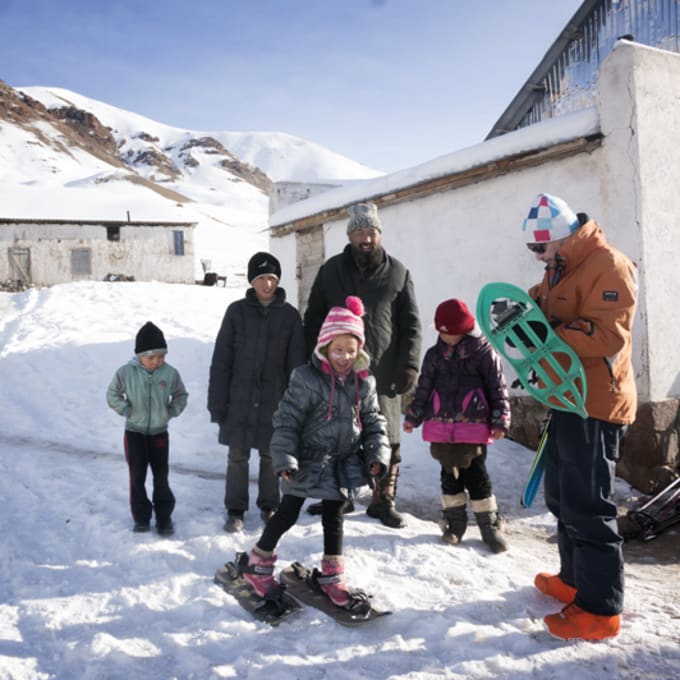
(141,452)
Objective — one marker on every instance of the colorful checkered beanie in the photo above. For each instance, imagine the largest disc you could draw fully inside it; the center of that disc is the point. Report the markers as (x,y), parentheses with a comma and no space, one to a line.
(341,321)
(550,219)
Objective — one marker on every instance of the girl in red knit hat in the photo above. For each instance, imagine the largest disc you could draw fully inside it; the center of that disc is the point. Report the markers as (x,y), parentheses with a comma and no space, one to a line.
(462,401)
(329,439)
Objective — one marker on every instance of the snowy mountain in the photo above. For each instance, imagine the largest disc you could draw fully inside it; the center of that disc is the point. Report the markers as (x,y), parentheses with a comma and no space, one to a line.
(63,155)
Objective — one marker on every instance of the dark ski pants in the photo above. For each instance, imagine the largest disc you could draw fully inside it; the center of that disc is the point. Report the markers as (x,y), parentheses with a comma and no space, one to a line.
(141,452)
(580,459)
(287,514)
(236,498)
(474,478)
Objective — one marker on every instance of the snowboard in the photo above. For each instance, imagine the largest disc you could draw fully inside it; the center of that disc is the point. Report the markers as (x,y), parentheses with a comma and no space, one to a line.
(545,365)
(271,611)
(536,471)
(299,584)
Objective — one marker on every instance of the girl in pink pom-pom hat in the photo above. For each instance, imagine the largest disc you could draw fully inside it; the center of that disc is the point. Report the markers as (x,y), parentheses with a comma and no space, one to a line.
(329,440)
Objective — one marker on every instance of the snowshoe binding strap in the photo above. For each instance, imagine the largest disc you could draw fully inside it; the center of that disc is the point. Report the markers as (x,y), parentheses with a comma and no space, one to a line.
(325,580)
(302,573)
(277,603)
(656,515)
(242,565)
(359,604)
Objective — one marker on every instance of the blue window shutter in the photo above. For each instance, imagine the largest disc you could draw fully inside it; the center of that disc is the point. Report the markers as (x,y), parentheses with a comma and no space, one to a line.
(178,237)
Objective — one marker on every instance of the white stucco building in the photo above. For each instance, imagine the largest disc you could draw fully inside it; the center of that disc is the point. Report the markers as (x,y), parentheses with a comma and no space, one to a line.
(456,222)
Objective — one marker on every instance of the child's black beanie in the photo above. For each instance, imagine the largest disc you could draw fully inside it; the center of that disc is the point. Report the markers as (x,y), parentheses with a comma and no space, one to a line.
(149,338)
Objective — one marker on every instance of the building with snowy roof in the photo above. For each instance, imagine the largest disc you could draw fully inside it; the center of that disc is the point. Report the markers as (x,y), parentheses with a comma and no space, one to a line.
(606,142)
(45,252)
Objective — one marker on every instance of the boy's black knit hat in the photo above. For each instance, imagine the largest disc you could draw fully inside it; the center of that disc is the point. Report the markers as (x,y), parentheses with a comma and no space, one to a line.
(150,340)
(262,264)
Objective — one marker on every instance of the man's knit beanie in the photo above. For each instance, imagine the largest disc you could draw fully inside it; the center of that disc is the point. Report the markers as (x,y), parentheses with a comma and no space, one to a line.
(549,219)
(363,216)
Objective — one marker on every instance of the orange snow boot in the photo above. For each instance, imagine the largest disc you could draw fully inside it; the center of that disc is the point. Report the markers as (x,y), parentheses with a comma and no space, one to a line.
(554,586)
(574,623)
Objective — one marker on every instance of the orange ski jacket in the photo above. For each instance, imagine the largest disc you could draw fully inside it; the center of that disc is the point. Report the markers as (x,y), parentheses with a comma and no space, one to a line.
(591,306)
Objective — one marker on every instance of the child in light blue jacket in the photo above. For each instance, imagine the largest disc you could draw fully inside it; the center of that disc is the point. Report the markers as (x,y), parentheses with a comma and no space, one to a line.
(147,392)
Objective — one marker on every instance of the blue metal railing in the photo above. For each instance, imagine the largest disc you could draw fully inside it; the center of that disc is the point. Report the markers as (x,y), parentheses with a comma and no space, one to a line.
(571,82)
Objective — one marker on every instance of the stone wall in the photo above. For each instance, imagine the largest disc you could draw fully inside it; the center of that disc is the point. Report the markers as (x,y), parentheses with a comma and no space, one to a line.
(650,457)
(528,416)
(284,193)
(310,256)
(649,451)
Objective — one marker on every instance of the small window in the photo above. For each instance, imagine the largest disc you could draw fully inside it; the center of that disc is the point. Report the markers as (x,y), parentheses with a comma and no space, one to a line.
(113,233)
(178,239)
(81,261)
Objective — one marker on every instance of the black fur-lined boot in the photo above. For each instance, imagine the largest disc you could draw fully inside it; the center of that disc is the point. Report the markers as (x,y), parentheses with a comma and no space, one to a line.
(382,503)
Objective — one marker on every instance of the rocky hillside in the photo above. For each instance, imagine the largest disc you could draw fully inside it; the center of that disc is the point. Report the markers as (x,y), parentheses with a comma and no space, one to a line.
(143,154)
(78,128)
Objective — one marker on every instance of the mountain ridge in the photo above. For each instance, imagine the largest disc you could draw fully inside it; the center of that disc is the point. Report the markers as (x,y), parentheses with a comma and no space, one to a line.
(66,156)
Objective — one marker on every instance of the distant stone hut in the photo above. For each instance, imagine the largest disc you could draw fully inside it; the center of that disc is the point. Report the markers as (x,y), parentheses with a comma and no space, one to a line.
(46,252)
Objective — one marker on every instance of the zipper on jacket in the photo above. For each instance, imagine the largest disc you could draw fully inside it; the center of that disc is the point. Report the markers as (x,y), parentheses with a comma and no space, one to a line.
(148,422)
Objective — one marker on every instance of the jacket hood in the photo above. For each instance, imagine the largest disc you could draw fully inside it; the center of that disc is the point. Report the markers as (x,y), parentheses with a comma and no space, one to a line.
(581,243)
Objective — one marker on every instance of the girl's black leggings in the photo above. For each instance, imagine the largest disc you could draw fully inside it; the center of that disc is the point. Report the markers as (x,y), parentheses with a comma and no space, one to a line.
(287,514)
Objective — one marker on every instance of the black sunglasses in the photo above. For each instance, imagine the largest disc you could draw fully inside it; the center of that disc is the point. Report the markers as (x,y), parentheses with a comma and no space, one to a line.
(536,247)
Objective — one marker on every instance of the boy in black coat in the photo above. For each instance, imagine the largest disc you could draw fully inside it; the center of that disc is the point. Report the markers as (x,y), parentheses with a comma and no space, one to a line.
(258,345)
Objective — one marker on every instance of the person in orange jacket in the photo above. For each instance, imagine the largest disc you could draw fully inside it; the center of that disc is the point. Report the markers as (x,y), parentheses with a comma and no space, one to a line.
(588,293)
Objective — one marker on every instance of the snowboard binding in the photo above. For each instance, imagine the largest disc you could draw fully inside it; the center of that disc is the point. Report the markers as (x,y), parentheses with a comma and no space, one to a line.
(275,602)
(359,604)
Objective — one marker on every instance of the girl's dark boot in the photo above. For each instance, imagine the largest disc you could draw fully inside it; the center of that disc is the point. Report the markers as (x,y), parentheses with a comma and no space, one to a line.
(454,517)
(490,522)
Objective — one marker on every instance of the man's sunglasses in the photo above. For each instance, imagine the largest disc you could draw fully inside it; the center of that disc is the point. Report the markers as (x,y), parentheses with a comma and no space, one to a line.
(536,247)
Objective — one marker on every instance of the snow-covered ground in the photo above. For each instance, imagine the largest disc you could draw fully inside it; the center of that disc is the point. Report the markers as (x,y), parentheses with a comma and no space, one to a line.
(81,596)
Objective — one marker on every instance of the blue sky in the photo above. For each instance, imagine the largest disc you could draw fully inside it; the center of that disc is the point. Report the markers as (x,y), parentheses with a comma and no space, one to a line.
(389,83)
